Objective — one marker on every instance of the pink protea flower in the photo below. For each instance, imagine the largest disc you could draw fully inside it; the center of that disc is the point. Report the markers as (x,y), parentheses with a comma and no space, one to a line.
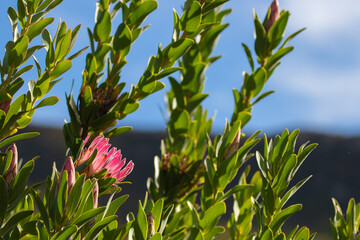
(106,158)
(274,15)
(11,172)
(69,167)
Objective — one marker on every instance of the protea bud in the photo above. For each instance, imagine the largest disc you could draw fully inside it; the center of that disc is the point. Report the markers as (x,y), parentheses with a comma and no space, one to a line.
(5,106)
(95,193)
(151,225)
(69,167)
(274,15)
(10,174)
(234,146)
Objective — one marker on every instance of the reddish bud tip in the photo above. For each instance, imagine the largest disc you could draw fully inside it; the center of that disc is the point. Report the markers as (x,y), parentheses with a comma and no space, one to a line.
(12,170)
(274,15)
(70,169)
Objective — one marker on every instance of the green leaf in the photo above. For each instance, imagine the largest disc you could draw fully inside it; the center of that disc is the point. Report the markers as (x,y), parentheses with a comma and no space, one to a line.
(192,17)
(20,182)
(98,227)
(65,233)
(178,92)
(14,108)
(157,236)
(18,137)
(350,217)
(236,189)
(282,179)
(302,234)
(75,55)
(103,27)
(122,39)
(87,216)
(223,173)
(42,232)
(14,21)
(18,52)
(196,234)
(194,215)
(262,96)
(62,46)
(165,218)
(180,121)
(289,38)
(212,5)
(292,191)
(4,199)
(175,50)
(277,30)
(37,28)
(14,220)
(42,210)
(166,72)
(138,15)
(267,234)
(60,69)
(268,197)
(157,212)
(273,60)
(282,216)
(212,215)
(53,5)
(49,101)
(117,131)
(260,38)
(75,194)
(195,101)
(248,54)
(256,82)
(4,96)
(131,107)
(113,206)
(141,224)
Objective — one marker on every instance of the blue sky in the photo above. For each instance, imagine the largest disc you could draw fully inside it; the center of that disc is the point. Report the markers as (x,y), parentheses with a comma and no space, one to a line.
(317,86)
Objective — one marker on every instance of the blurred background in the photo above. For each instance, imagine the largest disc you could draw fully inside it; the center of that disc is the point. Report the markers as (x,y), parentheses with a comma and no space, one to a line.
(317,90)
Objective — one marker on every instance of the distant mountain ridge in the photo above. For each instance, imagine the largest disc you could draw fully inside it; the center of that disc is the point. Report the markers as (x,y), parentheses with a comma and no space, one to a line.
(335,166)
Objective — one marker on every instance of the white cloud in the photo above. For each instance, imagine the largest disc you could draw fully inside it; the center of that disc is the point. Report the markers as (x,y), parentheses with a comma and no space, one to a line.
(334,94)
(325,17)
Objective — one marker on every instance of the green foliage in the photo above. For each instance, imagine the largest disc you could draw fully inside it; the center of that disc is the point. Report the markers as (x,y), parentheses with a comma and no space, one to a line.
(193,176)
(346,226)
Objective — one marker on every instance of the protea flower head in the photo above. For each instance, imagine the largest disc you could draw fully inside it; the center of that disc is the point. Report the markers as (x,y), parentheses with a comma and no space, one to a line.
(69,167)
(11,172)
(274,15)
(106,158)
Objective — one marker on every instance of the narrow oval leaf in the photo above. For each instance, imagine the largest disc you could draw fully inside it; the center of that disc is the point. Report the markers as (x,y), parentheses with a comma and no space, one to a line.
(18,137)
(65,234)
(49,101)
(37,28)
(60,69)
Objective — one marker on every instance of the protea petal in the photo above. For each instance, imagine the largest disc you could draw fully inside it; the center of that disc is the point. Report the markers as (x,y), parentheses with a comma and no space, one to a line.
(70,169)
(123,173)
(116,168)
